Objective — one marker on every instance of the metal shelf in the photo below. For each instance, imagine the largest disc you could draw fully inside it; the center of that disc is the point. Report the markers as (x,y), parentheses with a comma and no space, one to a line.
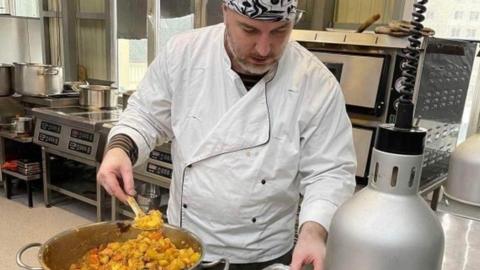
(72,194)
(22,176)
(15,137)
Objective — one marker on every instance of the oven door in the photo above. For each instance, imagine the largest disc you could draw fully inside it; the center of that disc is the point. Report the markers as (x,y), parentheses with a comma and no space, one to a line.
(363,79)
(363,140)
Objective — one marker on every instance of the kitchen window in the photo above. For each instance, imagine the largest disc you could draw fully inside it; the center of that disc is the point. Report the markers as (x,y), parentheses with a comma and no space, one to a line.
(132,43)
(474,15)
(455,32)
(430,14)
(471,33)
(458,15)
(132,63)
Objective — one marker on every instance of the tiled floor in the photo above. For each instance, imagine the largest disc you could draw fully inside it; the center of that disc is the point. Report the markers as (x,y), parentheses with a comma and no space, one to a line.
(20,225)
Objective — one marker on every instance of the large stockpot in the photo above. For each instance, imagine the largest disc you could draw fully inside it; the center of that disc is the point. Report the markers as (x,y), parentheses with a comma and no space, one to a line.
(68,247)
(38,79)
(6,84)
(98,96)
(24,125)
(18,76)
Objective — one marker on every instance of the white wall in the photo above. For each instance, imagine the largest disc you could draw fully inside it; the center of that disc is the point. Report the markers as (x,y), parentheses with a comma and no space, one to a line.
(408,9)
(356,12)
(20,40)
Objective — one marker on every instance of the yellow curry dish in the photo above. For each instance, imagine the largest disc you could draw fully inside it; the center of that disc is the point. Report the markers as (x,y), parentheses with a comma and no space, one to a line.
(150,221)
(150,250)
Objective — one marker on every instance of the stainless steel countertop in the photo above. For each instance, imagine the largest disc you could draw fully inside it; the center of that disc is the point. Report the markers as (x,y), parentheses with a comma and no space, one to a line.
(51,101)
(86,118)
(462,242)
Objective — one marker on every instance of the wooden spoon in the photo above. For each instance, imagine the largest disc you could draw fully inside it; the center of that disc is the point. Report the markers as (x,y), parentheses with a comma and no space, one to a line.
(146,222)
(134,205)
(368,22)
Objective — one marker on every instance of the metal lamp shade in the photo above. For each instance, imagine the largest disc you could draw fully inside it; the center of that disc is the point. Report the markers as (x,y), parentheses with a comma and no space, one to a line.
(463,182)
(387,225)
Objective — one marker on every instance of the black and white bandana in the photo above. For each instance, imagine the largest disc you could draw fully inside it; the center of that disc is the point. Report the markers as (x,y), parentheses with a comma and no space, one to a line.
(266,10)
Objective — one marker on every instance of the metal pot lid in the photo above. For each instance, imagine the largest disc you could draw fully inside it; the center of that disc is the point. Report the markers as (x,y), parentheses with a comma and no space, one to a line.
(41,65)
(94,87)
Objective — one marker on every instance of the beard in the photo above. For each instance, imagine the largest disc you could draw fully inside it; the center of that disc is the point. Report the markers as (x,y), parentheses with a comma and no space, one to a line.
(241,62)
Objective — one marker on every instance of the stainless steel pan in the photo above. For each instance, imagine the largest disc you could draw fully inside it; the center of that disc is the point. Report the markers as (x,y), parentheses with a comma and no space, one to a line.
(97,96)
(6,85)
(66,248)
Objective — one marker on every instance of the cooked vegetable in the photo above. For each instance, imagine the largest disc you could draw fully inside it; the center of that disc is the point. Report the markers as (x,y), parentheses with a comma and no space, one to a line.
(150,250)
(152,220)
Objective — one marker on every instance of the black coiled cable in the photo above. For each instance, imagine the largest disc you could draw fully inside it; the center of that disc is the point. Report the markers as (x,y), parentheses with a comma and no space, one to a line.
(409,67)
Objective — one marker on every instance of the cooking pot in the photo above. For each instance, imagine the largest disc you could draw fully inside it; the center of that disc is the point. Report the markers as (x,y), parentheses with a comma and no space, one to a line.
(24,125)
(68,247)
(18,76)
(38,79)
(98,96)
(6,85)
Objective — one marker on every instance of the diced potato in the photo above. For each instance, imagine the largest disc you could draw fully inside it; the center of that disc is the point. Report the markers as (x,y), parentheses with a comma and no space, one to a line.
(152,220)
(150,250)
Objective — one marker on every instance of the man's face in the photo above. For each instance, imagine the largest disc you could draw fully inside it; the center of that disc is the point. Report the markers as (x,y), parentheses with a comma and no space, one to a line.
(254,46)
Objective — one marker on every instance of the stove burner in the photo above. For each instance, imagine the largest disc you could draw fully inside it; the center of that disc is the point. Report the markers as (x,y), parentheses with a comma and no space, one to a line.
(100,116)
(70,110)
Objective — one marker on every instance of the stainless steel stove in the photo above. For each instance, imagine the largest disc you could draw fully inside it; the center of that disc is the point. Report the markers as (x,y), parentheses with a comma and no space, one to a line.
(71,135)
(73,130)
(51,101)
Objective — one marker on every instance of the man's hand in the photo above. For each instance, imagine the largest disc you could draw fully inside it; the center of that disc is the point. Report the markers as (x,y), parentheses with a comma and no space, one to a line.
(310,248)
(116,172)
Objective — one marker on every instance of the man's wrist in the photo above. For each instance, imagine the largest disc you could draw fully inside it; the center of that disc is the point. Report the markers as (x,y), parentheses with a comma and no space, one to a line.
(124,142)
(313,229)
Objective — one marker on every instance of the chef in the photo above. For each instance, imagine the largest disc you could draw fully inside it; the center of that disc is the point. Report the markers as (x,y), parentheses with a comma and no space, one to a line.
(257,126)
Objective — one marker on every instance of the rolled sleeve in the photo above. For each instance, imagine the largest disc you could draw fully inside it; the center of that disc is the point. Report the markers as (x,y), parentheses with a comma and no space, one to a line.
(327,162)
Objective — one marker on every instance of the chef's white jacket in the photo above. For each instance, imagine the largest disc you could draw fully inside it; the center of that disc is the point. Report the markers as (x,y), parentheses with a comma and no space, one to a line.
(242,158)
